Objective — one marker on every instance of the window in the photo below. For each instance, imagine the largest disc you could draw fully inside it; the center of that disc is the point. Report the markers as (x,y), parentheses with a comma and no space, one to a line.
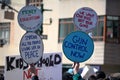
(65,27)
(113,29)
(34,2)
(98,30)
(5,32)
(6,1)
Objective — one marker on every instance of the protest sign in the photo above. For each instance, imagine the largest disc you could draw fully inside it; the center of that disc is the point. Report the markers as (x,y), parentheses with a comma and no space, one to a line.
(30,18)
(31,47)
(85,19)
(78,46)
(49,67)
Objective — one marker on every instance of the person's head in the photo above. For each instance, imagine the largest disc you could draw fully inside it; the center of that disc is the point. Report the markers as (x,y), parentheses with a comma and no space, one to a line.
(100,75)
(92,77)
(67,76)
(70,71)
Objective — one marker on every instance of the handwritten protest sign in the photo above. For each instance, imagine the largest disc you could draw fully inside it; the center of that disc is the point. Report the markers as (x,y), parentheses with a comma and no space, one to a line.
(78,46)
(85,19)
(31,47)
(30,18)
(49,67)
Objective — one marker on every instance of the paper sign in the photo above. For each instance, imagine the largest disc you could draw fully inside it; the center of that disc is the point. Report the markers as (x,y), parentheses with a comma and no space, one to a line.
(31,47)
(85,19)
(49,67)
(30,18)
(78,46)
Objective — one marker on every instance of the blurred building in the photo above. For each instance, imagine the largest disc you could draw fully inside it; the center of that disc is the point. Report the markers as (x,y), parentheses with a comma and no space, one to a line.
(58,23)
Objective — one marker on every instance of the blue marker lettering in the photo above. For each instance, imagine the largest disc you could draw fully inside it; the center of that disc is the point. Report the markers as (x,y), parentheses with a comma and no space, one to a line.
(77,54)
(75,46)
(31,54)
(79,40)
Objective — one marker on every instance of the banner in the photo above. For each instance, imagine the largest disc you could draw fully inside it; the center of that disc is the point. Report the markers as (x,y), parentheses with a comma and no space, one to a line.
(48,68)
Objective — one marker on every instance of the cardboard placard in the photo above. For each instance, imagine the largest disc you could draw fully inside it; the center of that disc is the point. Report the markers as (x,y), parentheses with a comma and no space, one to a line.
(31,47)
(85,19)
(78,46)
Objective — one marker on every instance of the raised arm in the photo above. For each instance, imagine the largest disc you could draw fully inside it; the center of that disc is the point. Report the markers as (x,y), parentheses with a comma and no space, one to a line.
(32,69)
(76,67)
(77,75)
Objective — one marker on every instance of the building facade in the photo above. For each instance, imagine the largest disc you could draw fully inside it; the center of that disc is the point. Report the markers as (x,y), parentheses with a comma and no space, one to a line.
(57,24)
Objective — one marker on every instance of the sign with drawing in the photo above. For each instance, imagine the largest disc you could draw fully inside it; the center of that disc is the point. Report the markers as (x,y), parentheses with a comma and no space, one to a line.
(30,18)
(78,46)
(31,47)
(85,19)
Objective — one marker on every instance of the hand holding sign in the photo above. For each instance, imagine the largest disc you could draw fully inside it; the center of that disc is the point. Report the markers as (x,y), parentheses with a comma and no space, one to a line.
(76,67)
(32,69)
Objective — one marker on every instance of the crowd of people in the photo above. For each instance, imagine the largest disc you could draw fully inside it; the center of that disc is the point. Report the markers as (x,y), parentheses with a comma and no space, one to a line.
(1,77)
(73,74)
(98,75)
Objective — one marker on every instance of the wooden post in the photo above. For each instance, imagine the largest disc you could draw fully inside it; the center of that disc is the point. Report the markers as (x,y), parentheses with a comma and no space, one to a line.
(105,29)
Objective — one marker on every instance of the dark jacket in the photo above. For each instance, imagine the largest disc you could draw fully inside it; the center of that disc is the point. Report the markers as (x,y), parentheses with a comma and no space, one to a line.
(35,77)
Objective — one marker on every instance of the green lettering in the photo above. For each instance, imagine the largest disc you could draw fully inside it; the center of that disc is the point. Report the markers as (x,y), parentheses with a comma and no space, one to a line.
(32,11)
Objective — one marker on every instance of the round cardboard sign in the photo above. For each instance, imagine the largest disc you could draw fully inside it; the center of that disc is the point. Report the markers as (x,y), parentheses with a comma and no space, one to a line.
(31,47)
(30,18)
(78,46)
(85,19)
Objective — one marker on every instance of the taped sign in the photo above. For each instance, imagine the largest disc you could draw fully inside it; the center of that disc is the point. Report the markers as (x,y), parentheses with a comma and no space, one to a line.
(85,19)
(31,47)
(78,46)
